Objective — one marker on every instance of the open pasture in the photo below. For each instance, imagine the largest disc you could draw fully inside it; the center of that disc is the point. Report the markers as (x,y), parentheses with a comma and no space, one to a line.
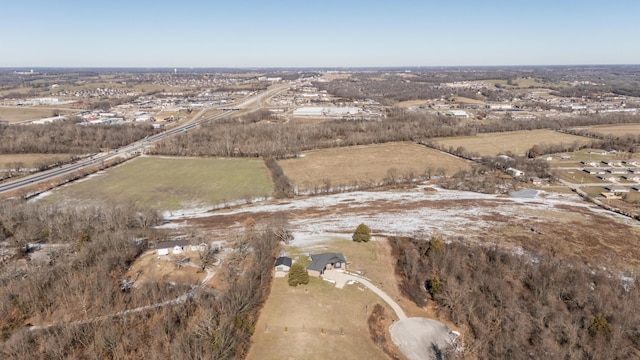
(615,130)
(367,164)
(175,183)
(517,142)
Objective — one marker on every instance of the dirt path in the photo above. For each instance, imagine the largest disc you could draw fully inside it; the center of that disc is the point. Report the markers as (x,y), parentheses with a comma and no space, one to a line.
(180,299)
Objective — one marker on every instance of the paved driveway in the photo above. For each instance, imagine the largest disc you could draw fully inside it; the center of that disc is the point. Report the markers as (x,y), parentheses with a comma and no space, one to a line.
(342,278)
(417,338)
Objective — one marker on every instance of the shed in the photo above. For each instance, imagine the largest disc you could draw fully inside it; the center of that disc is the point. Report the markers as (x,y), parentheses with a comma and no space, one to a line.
(283,264)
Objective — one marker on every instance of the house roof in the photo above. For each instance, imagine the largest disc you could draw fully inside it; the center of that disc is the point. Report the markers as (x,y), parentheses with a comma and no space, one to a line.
(283,260)
(320,261)
(171,244)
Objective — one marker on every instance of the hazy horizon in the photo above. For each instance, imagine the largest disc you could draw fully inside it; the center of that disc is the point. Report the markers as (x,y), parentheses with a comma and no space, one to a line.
(292,34)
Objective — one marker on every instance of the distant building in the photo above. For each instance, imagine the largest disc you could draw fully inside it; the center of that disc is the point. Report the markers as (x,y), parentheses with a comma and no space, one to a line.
(458,113)
(515,172)
(173,246)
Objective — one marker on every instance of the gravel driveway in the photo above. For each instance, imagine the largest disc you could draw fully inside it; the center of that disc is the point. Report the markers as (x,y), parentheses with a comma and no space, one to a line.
(421,338)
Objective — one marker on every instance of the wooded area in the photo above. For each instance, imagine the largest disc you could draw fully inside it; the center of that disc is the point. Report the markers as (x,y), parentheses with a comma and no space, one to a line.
(74,295)
(520,305)
(68,137)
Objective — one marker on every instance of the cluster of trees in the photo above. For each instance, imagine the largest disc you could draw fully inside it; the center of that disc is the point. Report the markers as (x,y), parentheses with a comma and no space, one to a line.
(282,187)
(76,275)
(522,306)
(67,137)
(78,290)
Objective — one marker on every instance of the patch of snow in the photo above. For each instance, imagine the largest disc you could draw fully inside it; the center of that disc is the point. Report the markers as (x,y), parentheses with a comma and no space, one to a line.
(40,196)
(341,213)
(205,211)
(171,225)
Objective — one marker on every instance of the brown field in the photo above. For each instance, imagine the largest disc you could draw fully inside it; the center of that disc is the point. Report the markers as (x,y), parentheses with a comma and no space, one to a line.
(366,164)
(466,100)
(18,114)
(410,103)
(615,130)
(518,142)
(29,160)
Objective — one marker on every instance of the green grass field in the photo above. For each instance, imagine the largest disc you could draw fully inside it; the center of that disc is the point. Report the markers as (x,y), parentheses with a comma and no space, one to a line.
(174,183)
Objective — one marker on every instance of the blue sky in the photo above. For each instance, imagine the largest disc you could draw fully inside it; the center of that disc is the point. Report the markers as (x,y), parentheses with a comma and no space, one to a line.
(251,33)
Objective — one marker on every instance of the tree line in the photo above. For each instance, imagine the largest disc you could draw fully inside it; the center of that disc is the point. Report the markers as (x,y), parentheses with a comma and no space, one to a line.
(68,137)
(282,140)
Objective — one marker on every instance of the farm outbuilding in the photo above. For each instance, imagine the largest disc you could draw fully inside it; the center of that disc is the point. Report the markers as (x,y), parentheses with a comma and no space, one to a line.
(283,265)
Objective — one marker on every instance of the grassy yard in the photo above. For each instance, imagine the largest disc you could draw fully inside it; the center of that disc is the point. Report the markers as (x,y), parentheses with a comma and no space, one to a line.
(365,164)
(518,142)
(292,321)
(315,321)
(175,183)
(579,177)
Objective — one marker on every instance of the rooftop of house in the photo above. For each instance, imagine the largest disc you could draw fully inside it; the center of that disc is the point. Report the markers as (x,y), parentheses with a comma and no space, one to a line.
(171,243)
(320,261)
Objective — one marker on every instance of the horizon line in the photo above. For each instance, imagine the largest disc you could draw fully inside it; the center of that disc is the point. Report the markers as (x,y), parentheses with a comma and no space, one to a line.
(310,67)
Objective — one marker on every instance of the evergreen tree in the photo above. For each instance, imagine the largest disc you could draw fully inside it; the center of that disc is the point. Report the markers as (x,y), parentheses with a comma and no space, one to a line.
(362,233)
(298,275)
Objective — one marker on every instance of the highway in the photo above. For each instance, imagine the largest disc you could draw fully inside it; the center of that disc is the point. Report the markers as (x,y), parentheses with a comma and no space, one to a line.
(131,148)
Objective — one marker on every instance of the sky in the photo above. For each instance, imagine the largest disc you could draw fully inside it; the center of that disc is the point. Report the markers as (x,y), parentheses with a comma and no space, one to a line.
(329,33)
